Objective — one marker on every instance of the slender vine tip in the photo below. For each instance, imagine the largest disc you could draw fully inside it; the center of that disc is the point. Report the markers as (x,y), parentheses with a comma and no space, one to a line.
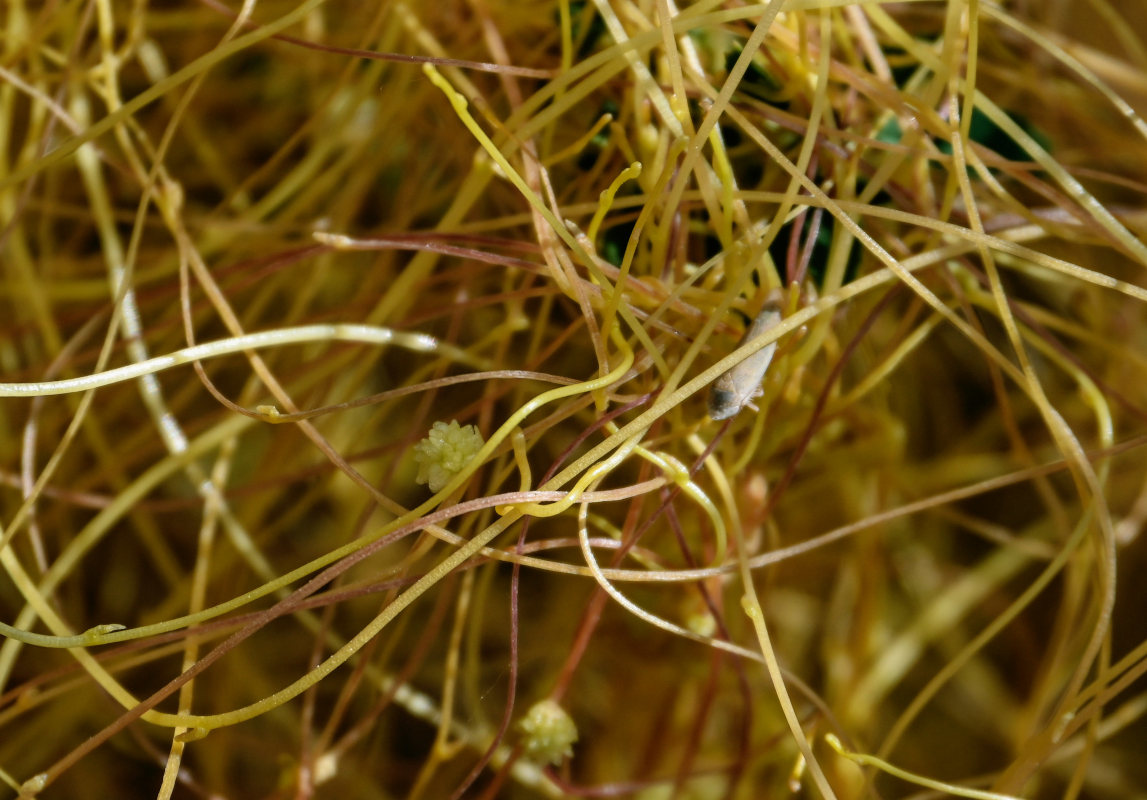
(445,451)
(548,732)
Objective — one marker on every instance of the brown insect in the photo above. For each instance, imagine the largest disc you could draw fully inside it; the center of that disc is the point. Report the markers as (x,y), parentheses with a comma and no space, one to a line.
(739,386)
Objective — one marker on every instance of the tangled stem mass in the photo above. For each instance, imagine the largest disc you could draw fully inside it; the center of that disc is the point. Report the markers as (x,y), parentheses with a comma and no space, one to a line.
(359,365)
